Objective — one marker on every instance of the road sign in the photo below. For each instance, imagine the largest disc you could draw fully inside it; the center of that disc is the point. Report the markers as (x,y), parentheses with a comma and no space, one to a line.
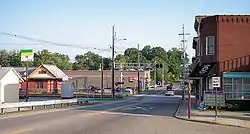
(216,81)
(27,55)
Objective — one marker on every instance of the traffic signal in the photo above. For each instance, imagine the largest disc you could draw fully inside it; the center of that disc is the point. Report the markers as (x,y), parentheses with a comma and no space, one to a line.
(158,65)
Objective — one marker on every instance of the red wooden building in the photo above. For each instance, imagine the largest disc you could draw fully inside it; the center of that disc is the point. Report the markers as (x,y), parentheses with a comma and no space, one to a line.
(45,79)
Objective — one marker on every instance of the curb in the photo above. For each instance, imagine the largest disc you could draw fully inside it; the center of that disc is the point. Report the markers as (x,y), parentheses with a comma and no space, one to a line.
(201,121)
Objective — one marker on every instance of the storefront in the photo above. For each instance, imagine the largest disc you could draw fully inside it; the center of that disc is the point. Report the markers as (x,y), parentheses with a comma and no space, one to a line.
(236,85)
(201,76)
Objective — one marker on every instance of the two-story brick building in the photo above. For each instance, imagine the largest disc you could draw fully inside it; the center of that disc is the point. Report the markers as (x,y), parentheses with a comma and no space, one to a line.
(221,49)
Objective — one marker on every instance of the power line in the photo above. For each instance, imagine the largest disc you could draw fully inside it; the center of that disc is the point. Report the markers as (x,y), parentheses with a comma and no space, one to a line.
(50,42)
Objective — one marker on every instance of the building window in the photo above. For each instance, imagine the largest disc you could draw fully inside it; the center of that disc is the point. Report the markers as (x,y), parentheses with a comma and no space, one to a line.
(236,88)
(42,72)
(209,84)
(198,48)
(39,84)
(210,43)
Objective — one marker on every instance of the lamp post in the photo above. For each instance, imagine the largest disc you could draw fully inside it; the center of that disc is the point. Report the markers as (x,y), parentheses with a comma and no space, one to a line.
(114,40)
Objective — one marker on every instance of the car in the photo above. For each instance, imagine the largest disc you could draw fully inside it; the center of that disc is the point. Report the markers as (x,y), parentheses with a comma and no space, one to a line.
(169,92)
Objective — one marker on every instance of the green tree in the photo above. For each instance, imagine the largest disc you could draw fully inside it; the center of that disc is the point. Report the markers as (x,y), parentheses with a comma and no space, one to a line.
(147,53)
(4,58)
(107,63)
(46,57)
(89,61)
(131,54)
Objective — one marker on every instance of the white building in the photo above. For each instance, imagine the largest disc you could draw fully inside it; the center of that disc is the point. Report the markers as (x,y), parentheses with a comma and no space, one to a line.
(9,85)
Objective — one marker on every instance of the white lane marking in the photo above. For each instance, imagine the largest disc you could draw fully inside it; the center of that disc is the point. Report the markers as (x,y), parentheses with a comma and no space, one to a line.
(126,114)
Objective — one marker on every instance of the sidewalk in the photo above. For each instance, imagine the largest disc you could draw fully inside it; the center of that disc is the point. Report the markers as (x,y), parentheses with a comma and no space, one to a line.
(239,119)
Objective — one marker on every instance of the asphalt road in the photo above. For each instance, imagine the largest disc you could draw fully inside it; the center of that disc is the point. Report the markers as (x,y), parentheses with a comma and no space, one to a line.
(147,114)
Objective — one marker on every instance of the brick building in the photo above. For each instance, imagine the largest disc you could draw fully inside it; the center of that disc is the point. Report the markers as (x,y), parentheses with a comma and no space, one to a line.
(221,49)
(93,77)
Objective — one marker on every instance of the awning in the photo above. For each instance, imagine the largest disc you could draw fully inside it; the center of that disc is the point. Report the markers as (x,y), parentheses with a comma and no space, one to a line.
(202,71)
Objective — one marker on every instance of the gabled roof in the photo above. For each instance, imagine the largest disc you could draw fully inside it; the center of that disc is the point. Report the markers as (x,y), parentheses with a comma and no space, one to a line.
(22,70)
(54,70)
(5,70)
(58,73)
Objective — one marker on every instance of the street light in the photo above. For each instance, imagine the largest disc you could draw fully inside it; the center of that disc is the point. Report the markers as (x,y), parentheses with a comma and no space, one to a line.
(117,40)
(114,40)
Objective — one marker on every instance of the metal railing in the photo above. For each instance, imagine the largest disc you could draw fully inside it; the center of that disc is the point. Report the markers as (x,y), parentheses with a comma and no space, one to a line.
(34,104)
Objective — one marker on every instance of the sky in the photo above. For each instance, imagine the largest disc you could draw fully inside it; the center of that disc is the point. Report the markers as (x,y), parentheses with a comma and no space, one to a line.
(88,23)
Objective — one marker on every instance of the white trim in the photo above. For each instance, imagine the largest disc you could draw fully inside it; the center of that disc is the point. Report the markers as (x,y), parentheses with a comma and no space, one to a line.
(213,40)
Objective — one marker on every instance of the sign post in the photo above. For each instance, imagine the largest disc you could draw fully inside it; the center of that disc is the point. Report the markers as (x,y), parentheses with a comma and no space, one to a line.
(216,84)
(26,56)
(189,100)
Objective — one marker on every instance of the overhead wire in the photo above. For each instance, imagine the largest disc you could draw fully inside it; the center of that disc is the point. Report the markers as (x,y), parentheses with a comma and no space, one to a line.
(49,42)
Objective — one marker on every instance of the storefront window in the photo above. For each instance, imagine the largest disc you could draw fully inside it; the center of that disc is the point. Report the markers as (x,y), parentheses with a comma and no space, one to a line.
(237,81)
(227,81)
(238,89)
(210,84)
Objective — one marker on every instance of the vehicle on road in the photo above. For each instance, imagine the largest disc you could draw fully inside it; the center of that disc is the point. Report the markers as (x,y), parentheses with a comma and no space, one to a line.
(169,90)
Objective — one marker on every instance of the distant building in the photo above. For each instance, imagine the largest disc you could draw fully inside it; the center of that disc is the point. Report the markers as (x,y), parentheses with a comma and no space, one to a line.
(84,78)
(222,47)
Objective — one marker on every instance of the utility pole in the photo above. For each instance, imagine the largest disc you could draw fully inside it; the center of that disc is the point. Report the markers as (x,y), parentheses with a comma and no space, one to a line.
(27,82)
(121,76)
(113,62)
(183,49)
(155,69)
(102,90)
(138,75)
(162,76)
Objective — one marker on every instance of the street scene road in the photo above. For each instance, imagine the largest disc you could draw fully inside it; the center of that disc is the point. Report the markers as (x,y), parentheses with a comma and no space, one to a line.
(148,113)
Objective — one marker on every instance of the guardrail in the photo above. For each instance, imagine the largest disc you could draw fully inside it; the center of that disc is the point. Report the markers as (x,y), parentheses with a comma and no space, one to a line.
(34,104)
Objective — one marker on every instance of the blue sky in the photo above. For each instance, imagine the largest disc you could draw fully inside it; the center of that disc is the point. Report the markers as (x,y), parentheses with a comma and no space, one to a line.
(88,22)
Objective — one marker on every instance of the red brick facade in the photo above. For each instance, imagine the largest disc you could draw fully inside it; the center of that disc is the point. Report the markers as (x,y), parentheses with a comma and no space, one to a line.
(231,42)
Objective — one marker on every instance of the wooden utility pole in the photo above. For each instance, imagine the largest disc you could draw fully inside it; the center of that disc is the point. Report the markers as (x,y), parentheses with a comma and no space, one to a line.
(102,90)
(113,62)
(183,49)
(27,82)
(138,75)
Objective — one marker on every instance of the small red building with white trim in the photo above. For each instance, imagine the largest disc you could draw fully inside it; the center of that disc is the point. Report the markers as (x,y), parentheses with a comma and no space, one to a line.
(45,79)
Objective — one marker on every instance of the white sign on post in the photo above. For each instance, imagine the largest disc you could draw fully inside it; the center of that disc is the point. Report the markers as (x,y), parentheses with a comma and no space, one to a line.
(216,81)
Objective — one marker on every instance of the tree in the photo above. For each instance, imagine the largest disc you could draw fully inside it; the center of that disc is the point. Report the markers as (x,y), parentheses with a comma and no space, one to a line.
(4,58)
(131,54)
(62,61)
(107,63)
(46,57)
(147,53)
(175,63)
(89,61)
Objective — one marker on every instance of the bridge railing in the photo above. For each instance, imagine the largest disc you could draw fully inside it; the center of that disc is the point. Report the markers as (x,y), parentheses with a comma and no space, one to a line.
(18,105)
